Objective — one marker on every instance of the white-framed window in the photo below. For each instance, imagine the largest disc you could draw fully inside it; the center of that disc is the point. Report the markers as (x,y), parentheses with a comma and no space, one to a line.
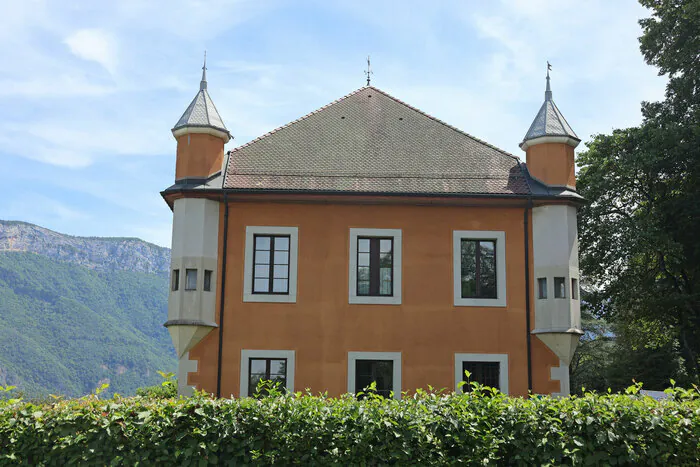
(488,369)
(479,260)
(375,266)
(384,368)
(268,365)
(270,270)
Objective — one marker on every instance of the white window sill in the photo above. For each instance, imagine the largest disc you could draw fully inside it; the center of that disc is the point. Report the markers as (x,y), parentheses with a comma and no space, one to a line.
(373,300)
(480,302)
(269,298)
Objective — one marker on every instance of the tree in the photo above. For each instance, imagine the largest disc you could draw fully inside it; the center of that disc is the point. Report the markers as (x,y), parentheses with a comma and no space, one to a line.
(639,234)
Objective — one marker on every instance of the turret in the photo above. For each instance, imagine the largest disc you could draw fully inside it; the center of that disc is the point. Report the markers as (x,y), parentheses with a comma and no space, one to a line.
(549,145)
(201,135)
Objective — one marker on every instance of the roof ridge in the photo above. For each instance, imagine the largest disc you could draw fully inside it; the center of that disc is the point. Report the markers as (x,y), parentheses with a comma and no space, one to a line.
(378,175)
(297,120)
(502,151)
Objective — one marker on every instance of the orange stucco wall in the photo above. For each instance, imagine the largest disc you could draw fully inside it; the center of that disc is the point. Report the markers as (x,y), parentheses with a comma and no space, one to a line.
(322,327)
(198,155)
(552,163)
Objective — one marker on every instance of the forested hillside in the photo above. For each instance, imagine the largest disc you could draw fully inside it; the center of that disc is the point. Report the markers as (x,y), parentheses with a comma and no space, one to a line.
(65,328)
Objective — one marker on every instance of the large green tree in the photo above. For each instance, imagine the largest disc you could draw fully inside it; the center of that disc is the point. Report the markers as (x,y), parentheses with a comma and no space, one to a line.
(640,234)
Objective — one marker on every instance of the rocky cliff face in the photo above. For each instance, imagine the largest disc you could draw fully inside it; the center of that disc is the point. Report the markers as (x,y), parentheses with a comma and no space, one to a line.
(98,253)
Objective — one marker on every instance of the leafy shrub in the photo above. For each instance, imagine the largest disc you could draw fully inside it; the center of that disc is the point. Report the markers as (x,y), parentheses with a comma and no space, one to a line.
(165,390)
(483,427)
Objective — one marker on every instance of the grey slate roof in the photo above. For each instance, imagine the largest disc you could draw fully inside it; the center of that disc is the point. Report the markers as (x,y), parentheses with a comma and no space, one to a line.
(549,120)
(371,142)
(201,112)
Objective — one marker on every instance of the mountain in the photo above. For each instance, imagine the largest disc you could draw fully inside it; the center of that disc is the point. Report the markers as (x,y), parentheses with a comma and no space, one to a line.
(76,312)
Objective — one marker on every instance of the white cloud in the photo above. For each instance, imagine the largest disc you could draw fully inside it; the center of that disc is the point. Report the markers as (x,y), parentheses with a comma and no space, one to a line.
(94,45)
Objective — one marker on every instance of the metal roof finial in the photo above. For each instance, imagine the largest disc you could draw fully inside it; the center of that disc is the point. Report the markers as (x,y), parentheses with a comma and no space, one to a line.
(369,70)
(548,91)
(203,83)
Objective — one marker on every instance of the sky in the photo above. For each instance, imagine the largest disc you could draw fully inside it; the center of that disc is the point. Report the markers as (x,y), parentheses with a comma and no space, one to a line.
(90,90)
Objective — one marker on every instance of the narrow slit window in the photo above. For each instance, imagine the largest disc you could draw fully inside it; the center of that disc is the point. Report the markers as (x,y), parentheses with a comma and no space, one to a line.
(375,266)
(207,280)
(478,259)
(574,289)
(190,279)
(176,279)
(559,287)
(542,287)
(271,264)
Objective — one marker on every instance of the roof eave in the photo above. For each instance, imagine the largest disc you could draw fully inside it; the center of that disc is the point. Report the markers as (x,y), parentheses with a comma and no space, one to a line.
(202,129)
(566,139)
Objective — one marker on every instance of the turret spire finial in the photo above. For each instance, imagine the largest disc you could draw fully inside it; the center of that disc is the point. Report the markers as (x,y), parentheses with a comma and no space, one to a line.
(203,83)
(548,91)
(369,71)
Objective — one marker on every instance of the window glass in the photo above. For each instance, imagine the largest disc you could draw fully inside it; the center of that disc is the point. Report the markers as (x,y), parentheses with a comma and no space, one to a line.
(559,287)
(574,289)
(379,371)
(207,280)
(266,369)
(542,287)
(478,259)
(486,373)
(190,279)
(271,264)
(375,266)
(176,279)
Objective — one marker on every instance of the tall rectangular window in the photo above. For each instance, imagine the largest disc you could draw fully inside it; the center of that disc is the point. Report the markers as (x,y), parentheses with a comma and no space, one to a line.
(266,369)
(375,266)
(176,279)
(560,287)
(478,268)
(542,287)
(380,372)
(207,280)
(574,289)
(190,279)
(486,373)
(271,264)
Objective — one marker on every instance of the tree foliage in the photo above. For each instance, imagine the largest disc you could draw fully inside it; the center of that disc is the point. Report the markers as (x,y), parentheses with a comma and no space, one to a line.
(639,234)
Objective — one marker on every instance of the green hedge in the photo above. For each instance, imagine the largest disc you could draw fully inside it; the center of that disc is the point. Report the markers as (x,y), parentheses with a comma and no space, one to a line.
(482,428)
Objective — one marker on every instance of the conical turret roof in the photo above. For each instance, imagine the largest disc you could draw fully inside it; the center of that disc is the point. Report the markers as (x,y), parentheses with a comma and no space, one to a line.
(201,113)
(549,122)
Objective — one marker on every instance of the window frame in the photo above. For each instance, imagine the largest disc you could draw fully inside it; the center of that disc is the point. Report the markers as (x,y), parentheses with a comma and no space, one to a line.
(175,280)
(196,279)
(271,265)
(502,359)
(499,237)
(396,236)
(248,354)
(267,368)
(377,257)
(395,357)
(249,266)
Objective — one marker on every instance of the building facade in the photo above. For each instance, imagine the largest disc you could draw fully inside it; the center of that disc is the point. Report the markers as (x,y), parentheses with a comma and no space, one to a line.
(370,242)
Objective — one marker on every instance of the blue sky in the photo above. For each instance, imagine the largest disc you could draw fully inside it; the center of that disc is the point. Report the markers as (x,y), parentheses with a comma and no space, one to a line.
(90,90)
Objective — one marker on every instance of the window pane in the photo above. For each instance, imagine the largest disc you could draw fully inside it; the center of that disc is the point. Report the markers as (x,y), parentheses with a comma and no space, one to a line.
(282,272)
(281,243)
(385,281)
(176,279)
(262,257)
(574,289)
(363,288)
(363,259)
(278,367)
(207,280)
(190,279)
(281,257)
(542,287)
(258,365)
(385,245)
(379,371)
(559,287)
(487,276)
(468,259)
(262,271)
(262,243)
(363,273)
(280,285)
(486,373)
(261,285)
(363,245)
(385,260)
